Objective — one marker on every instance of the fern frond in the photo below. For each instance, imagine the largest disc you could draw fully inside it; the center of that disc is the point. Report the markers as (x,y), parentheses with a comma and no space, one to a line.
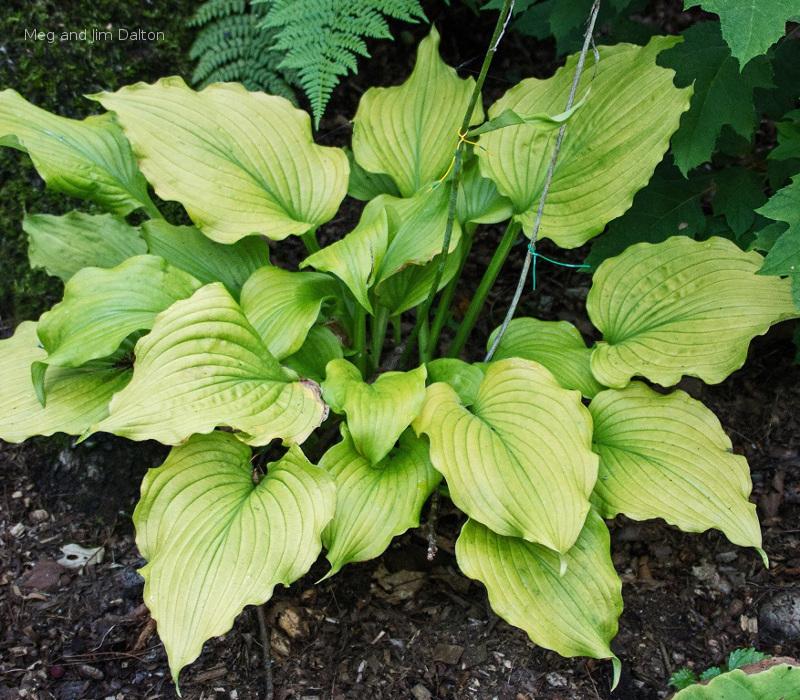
(232,47)
(322,39)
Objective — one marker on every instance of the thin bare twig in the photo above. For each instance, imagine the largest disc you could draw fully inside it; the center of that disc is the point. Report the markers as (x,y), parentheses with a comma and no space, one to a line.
(587,42)
(269,692)
(433,513)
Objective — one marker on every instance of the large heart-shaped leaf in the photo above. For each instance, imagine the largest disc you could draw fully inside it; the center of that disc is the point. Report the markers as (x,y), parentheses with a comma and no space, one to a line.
(573,612)
(62,245)
(202,366)
(612,144)
(103,307)
(240,162)
(781,682)
(76,398)
(375,502)
(206,260)
(215,541)
(410,132)
(463,377)
(89,159)
(558,345)
(282,305)
(668,457)
(519,459)
(681,307)
(376,413)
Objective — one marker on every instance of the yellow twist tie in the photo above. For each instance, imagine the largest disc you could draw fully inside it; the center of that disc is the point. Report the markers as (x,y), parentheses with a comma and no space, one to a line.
(462,138)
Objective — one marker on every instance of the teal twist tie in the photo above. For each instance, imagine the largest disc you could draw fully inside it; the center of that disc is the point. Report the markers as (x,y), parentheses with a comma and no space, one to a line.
(536,254)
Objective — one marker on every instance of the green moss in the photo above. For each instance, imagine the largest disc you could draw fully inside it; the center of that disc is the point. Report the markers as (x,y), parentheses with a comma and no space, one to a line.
(56,76)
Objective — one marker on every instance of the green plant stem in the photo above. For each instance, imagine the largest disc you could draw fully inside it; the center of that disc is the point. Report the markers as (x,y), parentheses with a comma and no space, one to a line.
(360,338)
(422,311)
(446,300)
(310,241)
(397,330)
(380,324)
(487,282)
(551,168)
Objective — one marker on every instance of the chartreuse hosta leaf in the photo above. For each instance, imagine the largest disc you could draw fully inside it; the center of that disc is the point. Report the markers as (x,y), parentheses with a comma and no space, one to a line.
(375,502)
(479,202)
(76,398)
(356,258)
(463,377)
(376,413)
(89,159)
(62,245)
(612,144)
(681,307)
(240,162)
(389,248)
(215,541)
(557,345)
(410,286)
(202,366)
(519,459)
(282,305)
(320,347)
(574,613)
(208,261)
(103,307)
(779,682)
(410,132)
(668,457)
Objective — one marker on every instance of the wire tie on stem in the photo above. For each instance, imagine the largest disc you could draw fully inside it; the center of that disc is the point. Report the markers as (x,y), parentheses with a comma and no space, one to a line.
(462,138)
(535,254)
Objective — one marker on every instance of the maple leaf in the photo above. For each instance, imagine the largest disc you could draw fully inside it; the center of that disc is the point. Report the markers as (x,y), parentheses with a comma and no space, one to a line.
(750,27)
(721,94)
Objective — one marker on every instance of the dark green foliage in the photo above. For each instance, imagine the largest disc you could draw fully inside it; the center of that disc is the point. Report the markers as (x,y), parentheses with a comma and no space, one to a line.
(744,657)
(738,193)
(668,206)
(721,94)
(322,39)
(682,678)
(710,673)
(55,77)
(232,47)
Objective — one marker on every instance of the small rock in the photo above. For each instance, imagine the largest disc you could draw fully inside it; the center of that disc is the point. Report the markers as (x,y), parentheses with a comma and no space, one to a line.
(556,680)
(16,530)
(44,576)
(130,579)
(447,653)
(780,615)
(726,557)
(474,655)
(16,495)
(90,672)
(420,692)
(73,690)
(280,645)
(38,516)
(291,621)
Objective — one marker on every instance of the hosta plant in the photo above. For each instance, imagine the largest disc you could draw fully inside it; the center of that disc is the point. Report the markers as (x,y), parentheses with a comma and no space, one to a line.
(194,336)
